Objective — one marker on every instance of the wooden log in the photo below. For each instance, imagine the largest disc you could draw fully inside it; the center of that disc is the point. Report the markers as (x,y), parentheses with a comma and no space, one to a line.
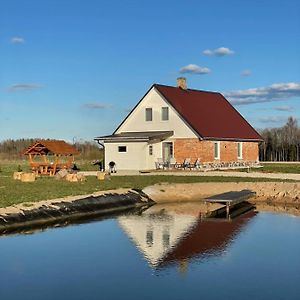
(101,175)
(75,177)
(27,177)
(17,175)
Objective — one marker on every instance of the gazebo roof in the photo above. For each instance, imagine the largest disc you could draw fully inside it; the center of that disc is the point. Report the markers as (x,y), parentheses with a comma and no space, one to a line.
(51,147)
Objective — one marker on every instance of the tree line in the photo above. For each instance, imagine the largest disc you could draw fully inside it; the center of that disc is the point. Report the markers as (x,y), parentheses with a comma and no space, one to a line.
(12,149)
(281,144)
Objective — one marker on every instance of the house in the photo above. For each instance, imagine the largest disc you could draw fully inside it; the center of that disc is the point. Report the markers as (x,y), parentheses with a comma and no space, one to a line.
(177,122)
(172,236)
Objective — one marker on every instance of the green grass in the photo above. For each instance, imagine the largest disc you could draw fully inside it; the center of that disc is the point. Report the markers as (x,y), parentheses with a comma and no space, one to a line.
(14,192)
(281,168)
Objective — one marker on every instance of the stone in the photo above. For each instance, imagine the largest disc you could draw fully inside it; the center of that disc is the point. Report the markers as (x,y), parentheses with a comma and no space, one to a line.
(61,174)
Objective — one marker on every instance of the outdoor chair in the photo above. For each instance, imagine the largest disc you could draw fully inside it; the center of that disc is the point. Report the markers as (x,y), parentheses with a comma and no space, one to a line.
(159,164)
(196,164)
(172,163)
(186,164)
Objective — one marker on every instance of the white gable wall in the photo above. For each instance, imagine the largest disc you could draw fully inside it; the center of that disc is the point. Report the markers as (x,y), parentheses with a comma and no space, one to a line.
(136,121)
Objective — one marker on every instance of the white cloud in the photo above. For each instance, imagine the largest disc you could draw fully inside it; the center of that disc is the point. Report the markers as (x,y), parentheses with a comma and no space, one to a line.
(284,108)
(194,69)
(222,51)
(273,119)
(24,87)
(17,40)
(94,105)
(208,52)
(246,73)
(274,92)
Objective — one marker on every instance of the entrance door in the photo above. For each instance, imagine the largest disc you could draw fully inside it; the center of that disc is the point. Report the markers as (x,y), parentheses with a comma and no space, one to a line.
(167,151)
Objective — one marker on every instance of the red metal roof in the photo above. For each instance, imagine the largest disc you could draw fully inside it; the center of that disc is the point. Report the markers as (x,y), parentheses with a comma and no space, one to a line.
(206,238)
(209,114)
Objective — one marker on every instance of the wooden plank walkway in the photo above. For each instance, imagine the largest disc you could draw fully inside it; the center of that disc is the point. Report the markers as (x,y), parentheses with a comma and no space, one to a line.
(231,199)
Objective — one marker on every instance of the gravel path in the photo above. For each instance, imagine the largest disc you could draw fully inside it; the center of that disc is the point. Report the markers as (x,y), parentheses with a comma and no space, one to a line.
(209,173)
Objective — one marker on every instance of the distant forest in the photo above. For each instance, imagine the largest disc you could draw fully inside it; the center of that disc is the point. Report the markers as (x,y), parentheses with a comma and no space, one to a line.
(12,149)
(280,144)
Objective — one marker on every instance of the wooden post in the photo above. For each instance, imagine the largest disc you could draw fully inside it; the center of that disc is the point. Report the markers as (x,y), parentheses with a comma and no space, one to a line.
(227,209)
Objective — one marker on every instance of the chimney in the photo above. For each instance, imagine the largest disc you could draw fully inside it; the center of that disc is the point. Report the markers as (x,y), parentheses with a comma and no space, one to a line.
(181,83)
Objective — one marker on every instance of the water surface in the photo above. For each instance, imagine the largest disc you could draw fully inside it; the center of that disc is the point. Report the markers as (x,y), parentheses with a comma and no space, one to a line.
(168,253)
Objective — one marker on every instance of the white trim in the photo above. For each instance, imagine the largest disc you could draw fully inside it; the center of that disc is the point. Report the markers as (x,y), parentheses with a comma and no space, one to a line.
(162,147)
(240,144)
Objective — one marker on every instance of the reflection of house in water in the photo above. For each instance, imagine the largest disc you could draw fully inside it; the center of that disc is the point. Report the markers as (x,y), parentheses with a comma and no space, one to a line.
(155,234)
(166,237)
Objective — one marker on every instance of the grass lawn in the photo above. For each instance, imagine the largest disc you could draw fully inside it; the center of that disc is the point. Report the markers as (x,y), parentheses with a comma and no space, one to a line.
(281,168)
(13,192)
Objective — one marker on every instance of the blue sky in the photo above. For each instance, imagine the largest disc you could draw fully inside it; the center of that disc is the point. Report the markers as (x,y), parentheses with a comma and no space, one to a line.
(73,69)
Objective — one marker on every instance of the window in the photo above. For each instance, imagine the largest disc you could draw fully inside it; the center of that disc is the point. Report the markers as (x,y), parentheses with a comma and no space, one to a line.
(150,150)
(148,114)
(240,150)
(166,238)
(216,150)
(149,238)
(165,113)
(122,149)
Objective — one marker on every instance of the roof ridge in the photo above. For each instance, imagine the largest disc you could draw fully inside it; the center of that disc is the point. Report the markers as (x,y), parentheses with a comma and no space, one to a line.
(192,90)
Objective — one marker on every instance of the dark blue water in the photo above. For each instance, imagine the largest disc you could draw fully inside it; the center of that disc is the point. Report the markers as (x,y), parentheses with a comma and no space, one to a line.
(156,255)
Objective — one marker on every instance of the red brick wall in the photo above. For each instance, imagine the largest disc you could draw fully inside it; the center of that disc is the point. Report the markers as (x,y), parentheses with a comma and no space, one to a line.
(194,148)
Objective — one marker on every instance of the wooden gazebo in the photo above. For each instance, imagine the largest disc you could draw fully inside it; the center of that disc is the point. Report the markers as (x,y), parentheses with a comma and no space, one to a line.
(46,157)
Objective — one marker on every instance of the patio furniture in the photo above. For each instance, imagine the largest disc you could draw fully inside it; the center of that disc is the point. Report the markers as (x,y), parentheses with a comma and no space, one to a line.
(159,164)
(185,165)
(196,164)
(172,163)
(47,157)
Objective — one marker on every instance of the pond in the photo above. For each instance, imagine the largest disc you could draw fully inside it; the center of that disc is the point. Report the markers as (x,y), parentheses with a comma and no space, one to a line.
(162,253)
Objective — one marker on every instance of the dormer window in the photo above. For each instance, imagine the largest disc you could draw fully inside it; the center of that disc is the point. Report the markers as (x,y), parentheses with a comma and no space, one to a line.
(165,113)
(148,114)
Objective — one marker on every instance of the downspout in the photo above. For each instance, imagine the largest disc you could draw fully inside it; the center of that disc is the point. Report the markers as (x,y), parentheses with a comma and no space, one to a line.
(102,145)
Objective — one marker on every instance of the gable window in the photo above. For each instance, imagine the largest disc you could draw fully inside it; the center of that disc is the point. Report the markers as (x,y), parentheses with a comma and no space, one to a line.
(240,150)
(122,149)
(165,113)
(149,238)
(150,150)
(148,115)
(216,150)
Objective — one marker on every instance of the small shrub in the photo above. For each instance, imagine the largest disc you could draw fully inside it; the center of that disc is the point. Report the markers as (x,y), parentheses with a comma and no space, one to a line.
(19,169)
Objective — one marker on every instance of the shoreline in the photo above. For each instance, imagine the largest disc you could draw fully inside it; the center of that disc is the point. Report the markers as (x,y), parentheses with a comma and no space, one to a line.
(277,196)
(28,214)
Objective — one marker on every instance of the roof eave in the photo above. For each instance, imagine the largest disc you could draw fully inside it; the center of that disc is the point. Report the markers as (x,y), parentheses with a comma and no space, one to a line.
(209,138)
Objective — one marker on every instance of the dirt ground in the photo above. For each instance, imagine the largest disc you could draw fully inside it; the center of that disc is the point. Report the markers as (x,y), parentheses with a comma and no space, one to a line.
(271,192)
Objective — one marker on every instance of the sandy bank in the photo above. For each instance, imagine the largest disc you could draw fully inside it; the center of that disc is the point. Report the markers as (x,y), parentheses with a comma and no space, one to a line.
(281,192)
